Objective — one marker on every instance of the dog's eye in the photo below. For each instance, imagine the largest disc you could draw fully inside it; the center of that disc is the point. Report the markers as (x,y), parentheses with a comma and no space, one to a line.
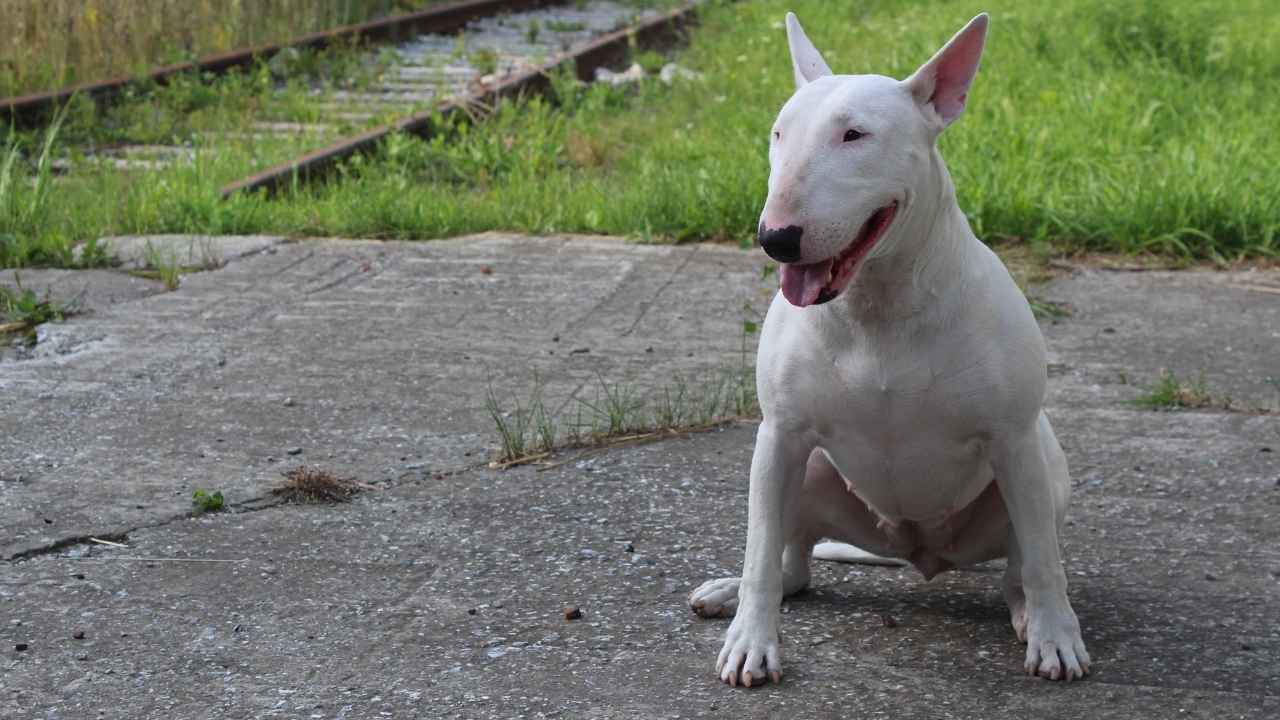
(851,135)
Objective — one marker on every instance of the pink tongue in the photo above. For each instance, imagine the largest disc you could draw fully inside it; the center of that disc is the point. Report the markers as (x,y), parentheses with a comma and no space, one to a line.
(801,284)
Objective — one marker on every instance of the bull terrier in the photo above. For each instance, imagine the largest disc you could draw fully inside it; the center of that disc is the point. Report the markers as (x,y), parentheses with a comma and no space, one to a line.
(901,372)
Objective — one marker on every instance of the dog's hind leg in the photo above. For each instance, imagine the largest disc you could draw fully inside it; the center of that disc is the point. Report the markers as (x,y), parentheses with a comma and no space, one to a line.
(832,551)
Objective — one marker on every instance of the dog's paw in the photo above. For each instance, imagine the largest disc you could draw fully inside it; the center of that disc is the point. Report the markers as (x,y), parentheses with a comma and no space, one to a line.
(750,655)
(1054,647)
(715,598)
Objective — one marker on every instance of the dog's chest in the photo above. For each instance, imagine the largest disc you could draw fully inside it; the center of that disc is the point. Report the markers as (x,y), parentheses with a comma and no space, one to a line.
(906,420)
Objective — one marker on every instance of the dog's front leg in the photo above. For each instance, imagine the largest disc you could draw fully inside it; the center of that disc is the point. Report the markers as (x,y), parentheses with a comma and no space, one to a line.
(751,643)
(1026,480)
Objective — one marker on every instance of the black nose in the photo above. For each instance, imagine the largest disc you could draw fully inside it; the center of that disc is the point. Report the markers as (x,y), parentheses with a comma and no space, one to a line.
(782,244)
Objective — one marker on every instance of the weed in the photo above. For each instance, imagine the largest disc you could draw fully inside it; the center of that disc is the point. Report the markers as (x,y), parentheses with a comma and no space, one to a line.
(21,308)
(512,427)
(25,206)
(531,32)
(651,61)
(562,26)
(485,61)
(616,410)
(1049,309)
(1170,393)
(163,266)
(544,423)
(622,411)
(203,501)
(313,485)
(671,409)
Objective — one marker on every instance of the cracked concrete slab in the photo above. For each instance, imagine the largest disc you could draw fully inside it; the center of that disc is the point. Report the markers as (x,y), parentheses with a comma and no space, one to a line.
(85,290)
(1128,326)
(196,251)
(441,593)
(368,357)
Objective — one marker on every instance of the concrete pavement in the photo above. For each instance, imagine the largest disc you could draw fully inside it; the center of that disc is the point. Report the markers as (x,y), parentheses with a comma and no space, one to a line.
(441,593)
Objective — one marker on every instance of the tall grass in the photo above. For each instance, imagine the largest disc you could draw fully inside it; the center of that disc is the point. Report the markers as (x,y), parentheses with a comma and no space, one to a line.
(1095,125)
(31,232)
(1092,125)
(45,44)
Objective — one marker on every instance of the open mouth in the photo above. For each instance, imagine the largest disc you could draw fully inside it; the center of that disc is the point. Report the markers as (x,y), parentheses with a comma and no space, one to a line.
(816,283)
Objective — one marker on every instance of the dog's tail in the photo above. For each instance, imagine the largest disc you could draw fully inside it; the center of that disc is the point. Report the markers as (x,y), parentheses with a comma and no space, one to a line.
(846,553)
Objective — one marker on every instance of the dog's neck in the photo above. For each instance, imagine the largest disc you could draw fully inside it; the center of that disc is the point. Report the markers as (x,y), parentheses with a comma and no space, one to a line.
(927,254)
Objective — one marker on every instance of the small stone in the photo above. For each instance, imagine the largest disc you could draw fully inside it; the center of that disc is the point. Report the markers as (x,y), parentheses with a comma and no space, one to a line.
(1210,577)
(486,270)
(20,647)
(78,635)
(572,612)
(496,604)
(294,451)
(888,620)
(1246,646)
(579,351)
(629,548)
(1108,330)
(471,611)
(288,402)
(1264,448)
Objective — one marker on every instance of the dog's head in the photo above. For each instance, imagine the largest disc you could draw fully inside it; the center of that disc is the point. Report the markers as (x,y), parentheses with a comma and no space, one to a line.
(847,156)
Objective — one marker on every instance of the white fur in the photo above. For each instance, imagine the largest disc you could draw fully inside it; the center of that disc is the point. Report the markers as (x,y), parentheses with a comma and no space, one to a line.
(889,411)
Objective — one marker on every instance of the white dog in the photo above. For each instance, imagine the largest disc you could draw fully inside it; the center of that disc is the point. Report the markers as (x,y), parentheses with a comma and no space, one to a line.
(901,372)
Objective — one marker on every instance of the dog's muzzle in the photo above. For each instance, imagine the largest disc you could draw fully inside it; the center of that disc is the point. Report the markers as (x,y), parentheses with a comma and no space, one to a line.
(782,244)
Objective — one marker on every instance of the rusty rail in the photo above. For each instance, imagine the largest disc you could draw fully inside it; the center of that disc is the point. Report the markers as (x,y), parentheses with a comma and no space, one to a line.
(28,110)
(605,50)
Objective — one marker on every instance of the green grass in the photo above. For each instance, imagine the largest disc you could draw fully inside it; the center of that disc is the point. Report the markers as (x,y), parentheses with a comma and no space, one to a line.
(59,42)
(22,308)
(526,430)
(1170,393)
(204,501)
(609,412)
(1143,127)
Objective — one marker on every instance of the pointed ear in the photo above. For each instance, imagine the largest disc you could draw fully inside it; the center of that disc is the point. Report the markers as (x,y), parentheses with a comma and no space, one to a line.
(943,82)
(805,58)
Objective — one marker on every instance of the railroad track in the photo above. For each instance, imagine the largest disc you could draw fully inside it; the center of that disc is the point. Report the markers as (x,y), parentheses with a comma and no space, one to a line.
(443,61)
